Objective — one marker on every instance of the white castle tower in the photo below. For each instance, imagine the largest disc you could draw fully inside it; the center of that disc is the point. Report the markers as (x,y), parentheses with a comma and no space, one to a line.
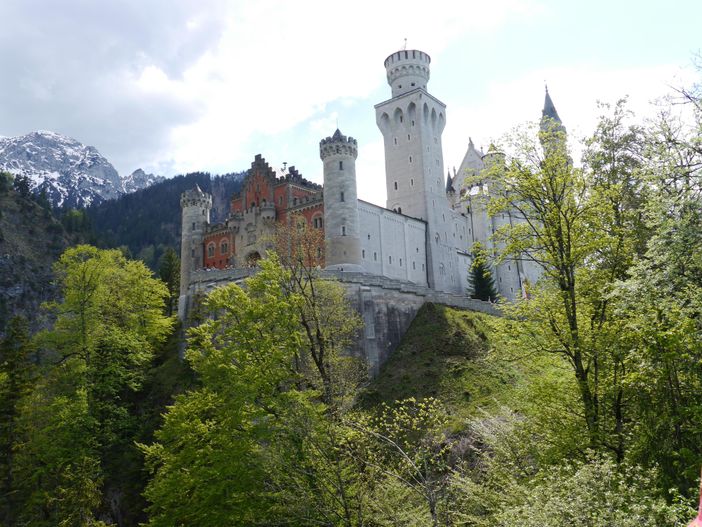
(412,122)
(341,224)
(195,205)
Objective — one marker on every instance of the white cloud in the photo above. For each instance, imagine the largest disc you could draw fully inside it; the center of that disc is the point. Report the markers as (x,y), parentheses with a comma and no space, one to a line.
(575,92)
(279,64)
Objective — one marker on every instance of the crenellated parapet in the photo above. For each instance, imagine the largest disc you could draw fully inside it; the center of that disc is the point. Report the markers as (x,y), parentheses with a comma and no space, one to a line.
(407,70)
(195,198)
(338,144)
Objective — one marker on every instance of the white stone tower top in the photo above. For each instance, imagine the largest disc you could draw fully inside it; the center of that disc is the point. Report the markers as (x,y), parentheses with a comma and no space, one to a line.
(407,70)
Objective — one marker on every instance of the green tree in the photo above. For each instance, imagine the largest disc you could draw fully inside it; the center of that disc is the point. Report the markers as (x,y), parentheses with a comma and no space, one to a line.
(16,379)
(208,463)
(481,280)
(550,197)
(79,424)
(595,493)
(329,322)
(584,228)
(661,304)
(169,273)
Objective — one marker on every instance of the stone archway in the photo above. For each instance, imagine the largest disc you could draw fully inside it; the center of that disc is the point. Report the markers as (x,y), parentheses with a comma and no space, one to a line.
(252,259)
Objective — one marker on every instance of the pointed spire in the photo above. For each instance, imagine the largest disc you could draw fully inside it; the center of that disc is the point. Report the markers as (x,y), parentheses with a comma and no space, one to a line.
(337,135)
(449,183)
(549,110)
(550,120)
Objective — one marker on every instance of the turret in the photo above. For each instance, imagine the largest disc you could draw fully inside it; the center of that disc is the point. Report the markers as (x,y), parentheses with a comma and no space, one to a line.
(195,206)
(341,224)
(407,70)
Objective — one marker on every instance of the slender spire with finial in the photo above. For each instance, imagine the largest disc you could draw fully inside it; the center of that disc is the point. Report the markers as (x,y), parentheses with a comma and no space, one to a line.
(550,120)
(405,45)
(549,110)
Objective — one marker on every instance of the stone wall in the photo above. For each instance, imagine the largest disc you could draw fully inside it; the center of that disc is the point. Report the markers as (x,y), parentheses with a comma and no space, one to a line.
(387,306)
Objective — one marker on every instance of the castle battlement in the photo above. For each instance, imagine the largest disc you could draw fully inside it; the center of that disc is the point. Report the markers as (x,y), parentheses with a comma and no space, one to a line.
(407,70)
(338,144)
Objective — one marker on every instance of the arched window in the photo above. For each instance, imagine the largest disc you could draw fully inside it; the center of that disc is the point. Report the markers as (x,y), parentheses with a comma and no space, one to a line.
(224,247)
(210,250)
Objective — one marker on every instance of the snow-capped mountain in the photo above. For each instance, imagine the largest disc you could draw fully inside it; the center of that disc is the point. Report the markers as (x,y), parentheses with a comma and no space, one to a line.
(69,172)
(138,180)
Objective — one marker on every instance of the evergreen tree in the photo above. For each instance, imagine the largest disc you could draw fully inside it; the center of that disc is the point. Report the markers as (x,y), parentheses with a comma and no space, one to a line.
(21,184)
(169,273)
(6,180)
(481,280)
(16,375)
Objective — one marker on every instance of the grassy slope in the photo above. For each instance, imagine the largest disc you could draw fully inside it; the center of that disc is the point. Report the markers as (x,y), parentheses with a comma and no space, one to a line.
(451,355)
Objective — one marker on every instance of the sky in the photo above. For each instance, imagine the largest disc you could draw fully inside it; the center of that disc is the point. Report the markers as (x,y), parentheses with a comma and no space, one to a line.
(175,86)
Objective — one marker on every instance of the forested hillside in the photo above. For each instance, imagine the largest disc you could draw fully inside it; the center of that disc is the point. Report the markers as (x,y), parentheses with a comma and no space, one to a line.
(147,222)
(31,239)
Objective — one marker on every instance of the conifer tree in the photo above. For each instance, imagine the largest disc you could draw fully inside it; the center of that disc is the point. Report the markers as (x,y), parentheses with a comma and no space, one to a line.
(481,280)
(169,273)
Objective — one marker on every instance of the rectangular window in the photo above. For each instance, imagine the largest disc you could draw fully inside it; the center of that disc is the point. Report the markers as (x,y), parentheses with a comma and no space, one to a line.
(363,254)
(342,196)
(343,230)
(341,165)
(375,257)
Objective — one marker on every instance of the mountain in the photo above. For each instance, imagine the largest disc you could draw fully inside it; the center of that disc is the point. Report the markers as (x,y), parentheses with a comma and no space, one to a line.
(68,172)
(138,180)
(148,221)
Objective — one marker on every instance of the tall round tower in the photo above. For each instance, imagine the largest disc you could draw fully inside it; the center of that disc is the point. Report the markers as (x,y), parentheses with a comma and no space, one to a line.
(195,205)
(341,224)
(407,70)
(412,122)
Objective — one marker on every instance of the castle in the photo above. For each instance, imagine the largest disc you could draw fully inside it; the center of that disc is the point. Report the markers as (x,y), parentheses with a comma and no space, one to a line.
(419,245)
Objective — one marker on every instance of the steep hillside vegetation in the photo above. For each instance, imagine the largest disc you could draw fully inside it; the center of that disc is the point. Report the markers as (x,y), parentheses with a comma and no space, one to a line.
(31,239)
(451,355)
